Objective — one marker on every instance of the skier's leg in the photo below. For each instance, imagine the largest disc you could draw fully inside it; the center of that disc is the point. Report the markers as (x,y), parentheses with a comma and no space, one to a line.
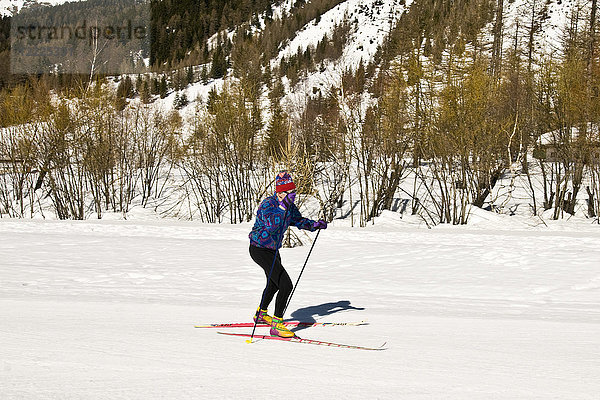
(284,283)
(285,288)
(264,258)
(281,282)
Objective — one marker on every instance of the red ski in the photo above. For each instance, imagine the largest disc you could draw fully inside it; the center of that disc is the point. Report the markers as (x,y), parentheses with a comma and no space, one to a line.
(286,323)
(296,339)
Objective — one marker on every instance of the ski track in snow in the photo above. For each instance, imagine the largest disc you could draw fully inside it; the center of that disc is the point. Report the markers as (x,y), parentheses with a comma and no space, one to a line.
(105,309)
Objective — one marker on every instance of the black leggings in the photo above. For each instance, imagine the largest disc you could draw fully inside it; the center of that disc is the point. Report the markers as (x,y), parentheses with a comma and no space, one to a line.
(280,280)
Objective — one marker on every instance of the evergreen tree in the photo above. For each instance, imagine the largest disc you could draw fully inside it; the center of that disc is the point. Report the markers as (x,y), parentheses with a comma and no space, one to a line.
(204,75)
(144,91)
(180,100)
(277,133)
(190,75)
(219,63)
(213,97)
(125,89)
(155,89)
(163,87)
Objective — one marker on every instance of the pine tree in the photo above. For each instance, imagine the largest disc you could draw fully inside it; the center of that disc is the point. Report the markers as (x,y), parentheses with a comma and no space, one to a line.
(204,75)
(125,89)
(219,63)
(190,75)
(212,99)
(155,89)
(144,91)
(163,88)
(277,133)
(180,100)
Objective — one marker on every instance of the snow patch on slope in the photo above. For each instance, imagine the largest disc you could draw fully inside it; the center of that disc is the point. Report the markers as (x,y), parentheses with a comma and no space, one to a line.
(371,22)
(549,36)
(10,7)
(13,7)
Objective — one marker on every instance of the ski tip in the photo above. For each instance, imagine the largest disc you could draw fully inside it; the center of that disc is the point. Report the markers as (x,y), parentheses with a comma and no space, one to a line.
(249,341)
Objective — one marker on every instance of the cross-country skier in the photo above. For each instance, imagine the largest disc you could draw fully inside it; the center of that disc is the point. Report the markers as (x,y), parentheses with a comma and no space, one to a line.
(275,214)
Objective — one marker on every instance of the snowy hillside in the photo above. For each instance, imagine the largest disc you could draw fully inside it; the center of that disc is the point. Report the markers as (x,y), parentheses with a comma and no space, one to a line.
(12,7)
(370,23)
(106,309)
(550,20)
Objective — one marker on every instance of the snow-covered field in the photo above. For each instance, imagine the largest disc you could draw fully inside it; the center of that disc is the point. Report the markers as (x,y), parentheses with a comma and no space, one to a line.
(106,310)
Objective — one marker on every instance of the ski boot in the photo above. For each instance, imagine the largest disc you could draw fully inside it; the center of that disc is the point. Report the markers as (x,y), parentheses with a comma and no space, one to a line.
(279,329)
(261,317)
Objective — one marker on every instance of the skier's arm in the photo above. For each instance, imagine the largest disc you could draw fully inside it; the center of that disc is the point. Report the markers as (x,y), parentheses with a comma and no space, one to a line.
(299,221)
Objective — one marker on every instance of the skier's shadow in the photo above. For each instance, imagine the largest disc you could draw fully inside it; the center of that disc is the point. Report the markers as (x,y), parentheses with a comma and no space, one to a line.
(308,314)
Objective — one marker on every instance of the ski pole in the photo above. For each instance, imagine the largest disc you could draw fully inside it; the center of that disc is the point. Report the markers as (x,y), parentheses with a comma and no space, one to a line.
(268,279)
(299,276)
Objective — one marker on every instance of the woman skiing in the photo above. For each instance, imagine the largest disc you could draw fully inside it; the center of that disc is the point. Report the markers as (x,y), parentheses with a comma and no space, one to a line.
(275,214)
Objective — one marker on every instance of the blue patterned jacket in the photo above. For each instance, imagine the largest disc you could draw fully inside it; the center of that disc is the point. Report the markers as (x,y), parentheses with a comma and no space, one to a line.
(270,224)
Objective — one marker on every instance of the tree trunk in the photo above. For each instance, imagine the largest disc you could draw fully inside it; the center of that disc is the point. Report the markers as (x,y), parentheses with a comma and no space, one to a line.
(497,45)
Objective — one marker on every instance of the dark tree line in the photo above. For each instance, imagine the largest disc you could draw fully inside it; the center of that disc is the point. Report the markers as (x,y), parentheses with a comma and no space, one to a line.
(4,51)
(183,26)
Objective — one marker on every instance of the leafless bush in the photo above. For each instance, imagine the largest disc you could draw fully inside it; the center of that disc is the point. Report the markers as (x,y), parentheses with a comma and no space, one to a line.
(17,170)
(222,160)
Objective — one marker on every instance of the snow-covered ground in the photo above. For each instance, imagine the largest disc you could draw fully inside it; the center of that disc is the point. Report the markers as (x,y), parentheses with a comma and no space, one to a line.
(106,309)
